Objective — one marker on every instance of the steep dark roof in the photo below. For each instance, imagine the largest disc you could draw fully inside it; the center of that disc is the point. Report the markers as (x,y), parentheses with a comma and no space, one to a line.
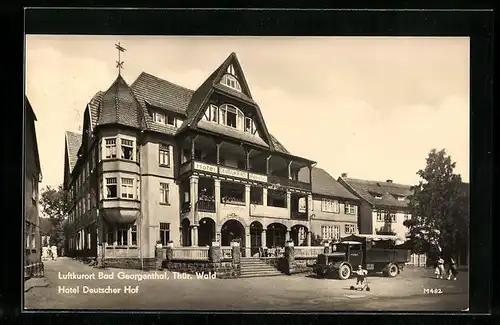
(367,189)
(324,184)
(119,106)
(150,91)
(73,142)
(30,114)
(233,133)
(278,146)
(94,107)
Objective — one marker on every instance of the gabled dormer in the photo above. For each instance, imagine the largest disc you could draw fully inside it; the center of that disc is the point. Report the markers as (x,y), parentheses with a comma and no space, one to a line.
(223,104)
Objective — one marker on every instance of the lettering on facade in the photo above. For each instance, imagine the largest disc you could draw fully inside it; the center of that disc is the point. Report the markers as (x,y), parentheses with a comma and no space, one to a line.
(205,167)
(233,172)
(257,177)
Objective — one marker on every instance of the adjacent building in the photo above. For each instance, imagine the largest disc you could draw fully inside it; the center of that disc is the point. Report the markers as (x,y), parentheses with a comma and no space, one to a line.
(32,178)
(334,208)
(383,205)
(159,163)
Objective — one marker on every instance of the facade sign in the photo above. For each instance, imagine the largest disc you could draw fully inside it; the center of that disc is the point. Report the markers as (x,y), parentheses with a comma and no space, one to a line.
(205,167)
(257,177)
(233,172)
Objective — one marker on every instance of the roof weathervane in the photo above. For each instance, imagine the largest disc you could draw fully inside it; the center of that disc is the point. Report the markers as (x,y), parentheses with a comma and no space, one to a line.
(119,63)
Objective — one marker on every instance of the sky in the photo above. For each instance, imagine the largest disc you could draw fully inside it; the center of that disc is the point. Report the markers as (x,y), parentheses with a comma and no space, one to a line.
(370,107)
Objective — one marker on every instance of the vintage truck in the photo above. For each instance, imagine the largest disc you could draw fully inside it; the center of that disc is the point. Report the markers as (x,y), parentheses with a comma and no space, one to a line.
(376,253)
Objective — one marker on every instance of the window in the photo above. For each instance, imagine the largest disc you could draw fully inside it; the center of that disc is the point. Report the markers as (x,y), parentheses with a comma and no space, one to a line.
(231,119)
(133,235)
(138,183)
(127,149)
(378,196)
(330,232)
(230,70)
(110,148)
(99,157)
(122,235)
(89,203)
(164,233)
(248,125)
(110,236)
(380,215)
(350,208)
(330,206)
(89,239)
(127,188)
(407,215)
(231,82)
(87,167)
(163,193)
(170,120)
(100,190)
(350,229)
(164,154)
(111,190)
(390,216)
(214,113)
(400,197)
(159,117)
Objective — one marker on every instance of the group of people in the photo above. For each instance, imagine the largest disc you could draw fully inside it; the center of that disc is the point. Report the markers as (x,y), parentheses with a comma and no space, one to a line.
(441,271)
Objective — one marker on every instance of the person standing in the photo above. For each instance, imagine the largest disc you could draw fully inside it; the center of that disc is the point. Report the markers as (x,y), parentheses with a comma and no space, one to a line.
(441,267)
(453,270)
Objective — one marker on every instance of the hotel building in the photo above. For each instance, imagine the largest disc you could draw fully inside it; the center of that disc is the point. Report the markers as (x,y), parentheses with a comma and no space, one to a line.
(159,163)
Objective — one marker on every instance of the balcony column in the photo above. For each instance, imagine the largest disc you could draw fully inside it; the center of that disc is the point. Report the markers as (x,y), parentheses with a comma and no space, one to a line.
(287,235)
(247,196)
(268,169)
(218,143)
(194,236)
(193,145)
(181,237)
(248,243)
(217,197)
(310,173)
(289,166)
(247,157)
(193,197)
(289,202)
(308,238)
(309,206)
(264,196)
(263,238)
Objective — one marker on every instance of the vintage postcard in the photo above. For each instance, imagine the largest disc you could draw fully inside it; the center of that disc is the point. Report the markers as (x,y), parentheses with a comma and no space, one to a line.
(246,173)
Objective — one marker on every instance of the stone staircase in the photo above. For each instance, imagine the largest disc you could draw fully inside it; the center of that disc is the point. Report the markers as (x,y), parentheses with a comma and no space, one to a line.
(252,267)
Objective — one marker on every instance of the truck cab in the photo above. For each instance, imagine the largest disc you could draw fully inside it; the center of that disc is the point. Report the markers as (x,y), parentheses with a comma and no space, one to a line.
(375,254)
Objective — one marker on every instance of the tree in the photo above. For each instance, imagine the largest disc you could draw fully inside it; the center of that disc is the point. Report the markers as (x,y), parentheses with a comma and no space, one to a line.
(439,209)
(54,205)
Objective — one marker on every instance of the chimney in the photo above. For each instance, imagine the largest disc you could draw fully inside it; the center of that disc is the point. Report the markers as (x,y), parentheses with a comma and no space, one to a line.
(389,181)
(344,175)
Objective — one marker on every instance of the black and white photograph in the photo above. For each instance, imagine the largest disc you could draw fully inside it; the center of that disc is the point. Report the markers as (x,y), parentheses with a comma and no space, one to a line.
(246,173)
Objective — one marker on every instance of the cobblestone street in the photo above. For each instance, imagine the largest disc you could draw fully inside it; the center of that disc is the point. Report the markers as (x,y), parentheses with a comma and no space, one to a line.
(282,293)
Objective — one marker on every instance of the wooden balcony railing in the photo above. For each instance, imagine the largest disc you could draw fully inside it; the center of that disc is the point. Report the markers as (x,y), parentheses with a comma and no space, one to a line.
(243,174)
(296,215)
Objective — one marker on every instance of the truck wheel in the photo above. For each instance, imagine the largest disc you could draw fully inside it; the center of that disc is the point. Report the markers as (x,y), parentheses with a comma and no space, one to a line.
(344,272)
(393,270)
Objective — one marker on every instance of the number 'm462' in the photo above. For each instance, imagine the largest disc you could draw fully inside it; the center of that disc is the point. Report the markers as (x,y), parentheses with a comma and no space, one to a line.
(433,291)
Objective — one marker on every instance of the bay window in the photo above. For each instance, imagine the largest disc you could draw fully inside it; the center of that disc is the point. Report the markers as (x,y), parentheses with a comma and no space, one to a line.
(111,190)
(127,188)
(110,148)
(127,149)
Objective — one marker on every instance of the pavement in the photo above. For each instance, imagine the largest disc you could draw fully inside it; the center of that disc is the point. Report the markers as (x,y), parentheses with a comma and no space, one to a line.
(415,289)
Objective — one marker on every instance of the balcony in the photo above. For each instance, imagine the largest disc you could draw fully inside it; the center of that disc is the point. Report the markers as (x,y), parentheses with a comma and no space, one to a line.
(202,206)
(242,174)
(296,215)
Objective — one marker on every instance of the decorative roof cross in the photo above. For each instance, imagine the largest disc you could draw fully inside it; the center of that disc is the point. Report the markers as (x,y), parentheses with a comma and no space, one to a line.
(119,63)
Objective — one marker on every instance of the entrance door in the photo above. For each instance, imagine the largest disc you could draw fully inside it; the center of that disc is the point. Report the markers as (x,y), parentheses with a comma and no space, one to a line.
(255,240)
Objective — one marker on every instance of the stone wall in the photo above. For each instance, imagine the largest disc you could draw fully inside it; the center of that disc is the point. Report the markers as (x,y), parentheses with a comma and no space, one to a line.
(223,269)
(129,263)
